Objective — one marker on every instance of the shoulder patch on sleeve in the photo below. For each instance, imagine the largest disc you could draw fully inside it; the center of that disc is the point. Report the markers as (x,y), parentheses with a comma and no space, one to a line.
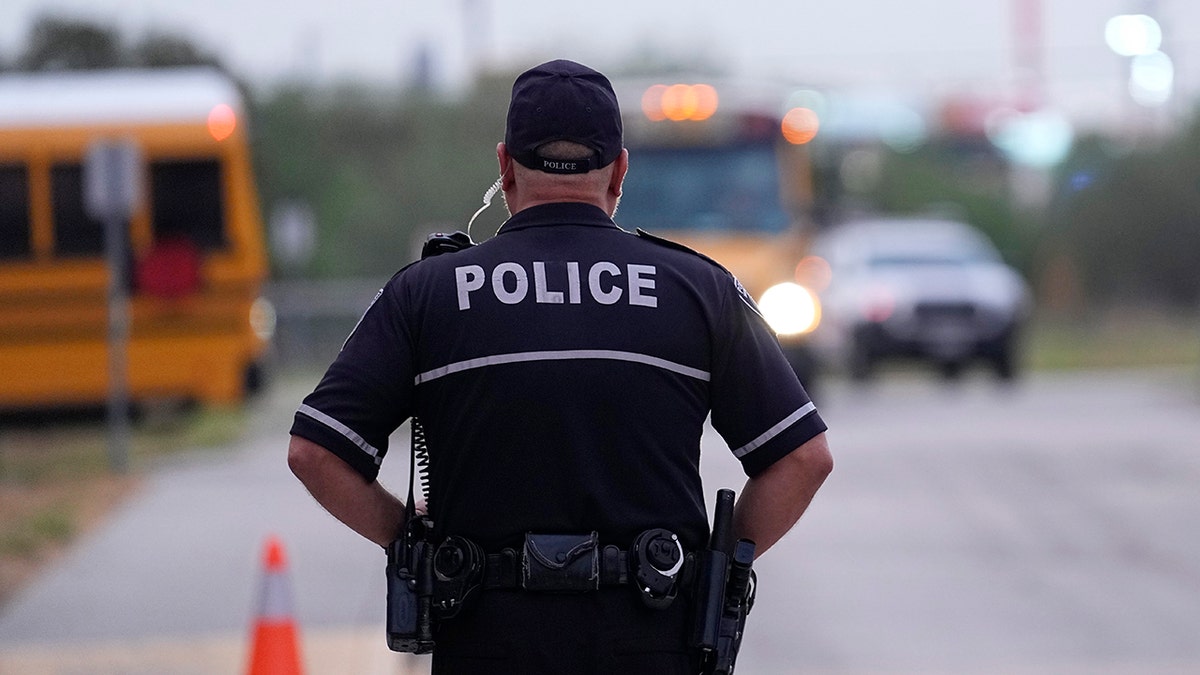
(745,296)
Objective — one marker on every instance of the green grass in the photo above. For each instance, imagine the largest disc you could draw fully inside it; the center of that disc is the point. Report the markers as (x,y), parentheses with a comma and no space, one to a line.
(24,535)
(198,427)
(75,445)
(1116,339)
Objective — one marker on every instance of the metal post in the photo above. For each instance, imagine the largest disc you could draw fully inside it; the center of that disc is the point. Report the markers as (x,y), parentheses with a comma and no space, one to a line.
(111,195)
(118,345)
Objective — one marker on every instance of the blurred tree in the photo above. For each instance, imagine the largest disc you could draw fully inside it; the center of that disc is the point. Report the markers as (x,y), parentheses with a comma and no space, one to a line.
(1122,226)
(379,170)
(1129,220)
(65,43)
(957,179)
(166,50)
(59,43)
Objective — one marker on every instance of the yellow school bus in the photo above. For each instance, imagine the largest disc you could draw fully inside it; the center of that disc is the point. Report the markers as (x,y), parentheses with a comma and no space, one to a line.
(723,167)
(195,253)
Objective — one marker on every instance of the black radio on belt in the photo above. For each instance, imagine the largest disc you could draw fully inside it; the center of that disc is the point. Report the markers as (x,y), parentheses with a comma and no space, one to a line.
(410,589)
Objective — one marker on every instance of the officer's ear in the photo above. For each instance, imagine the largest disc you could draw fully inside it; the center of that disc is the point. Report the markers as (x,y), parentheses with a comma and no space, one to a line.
(620,167)
(506,166)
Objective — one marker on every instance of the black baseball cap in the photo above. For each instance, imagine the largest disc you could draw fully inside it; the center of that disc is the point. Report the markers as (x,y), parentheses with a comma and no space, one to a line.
(563,101)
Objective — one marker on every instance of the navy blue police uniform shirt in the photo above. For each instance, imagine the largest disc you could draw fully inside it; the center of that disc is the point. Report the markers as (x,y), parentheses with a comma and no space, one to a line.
(563,371)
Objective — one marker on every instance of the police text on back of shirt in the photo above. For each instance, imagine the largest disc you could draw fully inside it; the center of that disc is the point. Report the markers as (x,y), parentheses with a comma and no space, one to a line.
(606,283)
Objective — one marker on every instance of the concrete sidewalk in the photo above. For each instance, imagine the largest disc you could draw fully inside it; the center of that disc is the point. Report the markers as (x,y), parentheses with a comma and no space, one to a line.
(169,584)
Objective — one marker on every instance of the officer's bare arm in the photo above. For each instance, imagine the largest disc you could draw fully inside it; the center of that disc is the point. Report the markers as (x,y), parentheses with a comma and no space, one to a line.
(774,500)
(366,508)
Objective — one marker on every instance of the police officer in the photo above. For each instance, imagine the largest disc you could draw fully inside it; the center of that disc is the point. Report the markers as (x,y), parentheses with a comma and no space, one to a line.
(563,371)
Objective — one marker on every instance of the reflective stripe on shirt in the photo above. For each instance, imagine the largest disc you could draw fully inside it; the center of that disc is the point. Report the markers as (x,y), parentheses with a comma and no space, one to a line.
(344,430)
(775,430)
(562,355)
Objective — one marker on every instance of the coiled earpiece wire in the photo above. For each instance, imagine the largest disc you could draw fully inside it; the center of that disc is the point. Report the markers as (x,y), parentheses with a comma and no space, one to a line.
(487,201)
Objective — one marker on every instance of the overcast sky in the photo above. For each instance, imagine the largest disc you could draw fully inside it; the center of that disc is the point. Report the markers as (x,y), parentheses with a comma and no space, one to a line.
(919,48)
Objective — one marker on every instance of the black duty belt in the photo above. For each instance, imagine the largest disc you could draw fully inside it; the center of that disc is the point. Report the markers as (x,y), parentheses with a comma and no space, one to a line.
(656,565)
(428,584)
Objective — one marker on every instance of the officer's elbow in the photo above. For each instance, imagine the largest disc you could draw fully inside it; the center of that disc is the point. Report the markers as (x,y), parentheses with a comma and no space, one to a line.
(305,458)
(813,460)
(824,459)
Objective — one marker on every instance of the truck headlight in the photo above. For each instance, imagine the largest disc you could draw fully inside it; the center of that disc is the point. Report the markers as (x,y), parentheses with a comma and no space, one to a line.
(790,309)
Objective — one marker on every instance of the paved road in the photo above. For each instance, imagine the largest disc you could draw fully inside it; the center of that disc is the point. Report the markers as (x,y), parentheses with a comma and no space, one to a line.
(1046,528)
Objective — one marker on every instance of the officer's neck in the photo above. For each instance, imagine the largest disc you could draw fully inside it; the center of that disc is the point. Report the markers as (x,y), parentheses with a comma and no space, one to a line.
(519,199)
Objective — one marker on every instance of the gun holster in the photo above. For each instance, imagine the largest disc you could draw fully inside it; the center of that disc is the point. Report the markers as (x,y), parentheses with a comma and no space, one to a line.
(725,590)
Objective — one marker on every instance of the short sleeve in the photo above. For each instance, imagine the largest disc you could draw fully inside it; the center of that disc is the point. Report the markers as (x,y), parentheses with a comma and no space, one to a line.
(367,391)
(759,405)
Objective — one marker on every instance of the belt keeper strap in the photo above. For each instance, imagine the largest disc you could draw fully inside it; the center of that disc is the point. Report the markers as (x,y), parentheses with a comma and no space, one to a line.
(614,566)
(502,570)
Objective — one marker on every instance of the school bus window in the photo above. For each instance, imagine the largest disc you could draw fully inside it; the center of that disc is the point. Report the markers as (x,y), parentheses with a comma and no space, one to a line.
(718,188)
(75,234)
(14,212)
(187,200)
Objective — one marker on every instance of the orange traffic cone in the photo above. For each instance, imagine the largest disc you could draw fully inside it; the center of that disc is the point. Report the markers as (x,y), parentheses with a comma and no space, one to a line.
(275,650)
